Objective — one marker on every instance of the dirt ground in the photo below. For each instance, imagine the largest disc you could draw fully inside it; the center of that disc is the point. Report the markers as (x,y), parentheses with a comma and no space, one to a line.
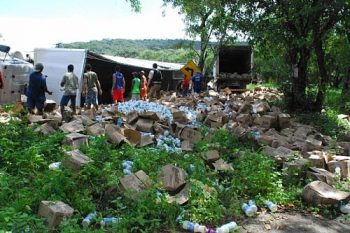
(294,222)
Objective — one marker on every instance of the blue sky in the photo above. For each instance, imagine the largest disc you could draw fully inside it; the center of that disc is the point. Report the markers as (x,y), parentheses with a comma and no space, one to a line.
(26,25)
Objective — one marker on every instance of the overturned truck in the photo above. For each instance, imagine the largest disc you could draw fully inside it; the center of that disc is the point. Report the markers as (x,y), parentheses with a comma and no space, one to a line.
(233,67)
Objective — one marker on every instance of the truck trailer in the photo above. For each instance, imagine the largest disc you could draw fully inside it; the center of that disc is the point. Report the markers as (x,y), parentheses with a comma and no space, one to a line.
(233,67)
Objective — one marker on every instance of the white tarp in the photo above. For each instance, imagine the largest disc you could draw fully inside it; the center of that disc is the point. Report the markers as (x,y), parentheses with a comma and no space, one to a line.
(55,63)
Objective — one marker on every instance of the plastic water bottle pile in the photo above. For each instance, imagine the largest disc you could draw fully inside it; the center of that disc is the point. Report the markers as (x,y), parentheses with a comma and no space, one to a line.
(169,143)
(202,107)
(144,106)
(127,167)
(190,113)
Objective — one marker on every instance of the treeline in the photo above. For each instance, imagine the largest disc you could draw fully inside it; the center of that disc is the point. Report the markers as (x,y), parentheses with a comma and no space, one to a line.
(167,50)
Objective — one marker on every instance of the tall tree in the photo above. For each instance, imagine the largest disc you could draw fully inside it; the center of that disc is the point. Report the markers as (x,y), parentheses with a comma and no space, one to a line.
(299,26)
(207,20)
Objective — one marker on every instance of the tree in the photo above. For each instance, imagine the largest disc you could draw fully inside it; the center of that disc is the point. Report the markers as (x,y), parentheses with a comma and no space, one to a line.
(135,5)
(301,27)
(209,20)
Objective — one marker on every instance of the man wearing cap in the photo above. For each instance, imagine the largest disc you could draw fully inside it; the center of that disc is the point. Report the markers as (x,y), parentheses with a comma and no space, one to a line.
(154,82)
(36,90)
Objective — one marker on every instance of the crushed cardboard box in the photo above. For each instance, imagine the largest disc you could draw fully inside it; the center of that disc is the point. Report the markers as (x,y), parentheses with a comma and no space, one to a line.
(54,212)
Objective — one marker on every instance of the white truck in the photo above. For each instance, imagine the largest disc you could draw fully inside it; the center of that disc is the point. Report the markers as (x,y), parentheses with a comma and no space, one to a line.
(14,76)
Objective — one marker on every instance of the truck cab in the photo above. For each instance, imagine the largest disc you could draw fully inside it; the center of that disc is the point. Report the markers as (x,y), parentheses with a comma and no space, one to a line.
(14,75)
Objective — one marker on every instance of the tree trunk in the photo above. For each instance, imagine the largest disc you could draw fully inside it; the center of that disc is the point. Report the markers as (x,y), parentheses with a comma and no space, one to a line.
(323,74)
(297,99)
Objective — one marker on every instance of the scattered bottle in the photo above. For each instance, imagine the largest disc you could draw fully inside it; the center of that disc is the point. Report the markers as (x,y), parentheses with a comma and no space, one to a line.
(55,166)
(88,219)
(337,170)
(345,208)
(108,221)
(194,227)
(271,206)
(229,227)
(211,230)
(252,205)
(248,210)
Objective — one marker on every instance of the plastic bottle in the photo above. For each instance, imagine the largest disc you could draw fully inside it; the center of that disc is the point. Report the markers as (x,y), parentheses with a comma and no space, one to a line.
(106,221)
(88,219)
(345,208)
(248,210)
(229,227)
(211,230)
(55,166)
(194,227)
(252,205)
(271,206)
(337,170)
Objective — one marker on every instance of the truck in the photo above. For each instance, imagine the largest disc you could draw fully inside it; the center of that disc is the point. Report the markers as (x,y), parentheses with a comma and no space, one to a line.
(233,67)
(14,76)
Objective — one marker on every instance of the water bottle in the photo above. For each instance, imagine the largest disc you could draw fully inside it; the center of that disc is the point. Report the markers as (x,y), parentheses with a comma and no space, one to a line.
(107,221)
(345,208)
(271,206)
(118,122)
(55,166)
(252,205)
(229,227)
(248,210)
(88,219)
(200,228)
(187,225)
(337,170)
(127,171)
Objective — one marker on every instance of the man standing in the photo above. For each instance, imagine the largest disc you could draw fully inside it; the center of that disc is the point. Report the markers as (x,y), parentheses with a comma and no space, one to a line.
(154,82)
(70,84)
(143,84)
(197,82)
(91,88)
(36,90)
(118,86)
(135,87)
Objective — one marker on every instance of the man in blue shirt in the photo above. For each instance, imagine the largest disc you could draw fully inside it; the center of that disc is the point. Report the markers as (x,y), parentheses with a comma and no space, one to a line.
(197,82)
(36,90)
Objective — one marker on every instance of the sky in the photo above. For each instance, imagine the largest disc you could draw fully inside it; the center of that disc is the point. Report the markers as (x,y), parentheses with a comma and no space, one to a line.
(25,25)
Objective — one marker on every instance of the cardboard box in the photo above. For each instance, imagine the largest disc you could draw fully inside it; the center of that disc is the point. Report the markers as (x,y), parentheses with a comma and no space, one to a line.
(211,156)
(221,165)
(50,105)
(95,130)
(46,129)
(244,119)
(172,178)
(316,158)
(145,125)
(187,146)
(135,183)
(75,160)
(76,140)
(190,134)
(54,212)
(283,120)
(114,135)
(321,174)
(182,197)
(266,121)
(72,127)
(132,117)
(342,163)
(318,192)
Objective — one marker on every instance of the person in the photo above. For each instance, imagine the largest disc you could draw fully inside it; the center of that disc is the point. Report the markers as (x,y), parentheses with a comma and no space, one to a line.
(91,87)
(185,85)
(154,82)
(135,87)
(143,93)
(197,82)
(36,90)
(118,86)
(70,83)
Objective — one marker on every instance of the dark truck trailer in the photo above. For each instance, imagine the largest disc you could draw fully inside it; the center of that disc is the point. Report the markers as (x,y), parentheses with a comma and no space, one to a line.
(233,67)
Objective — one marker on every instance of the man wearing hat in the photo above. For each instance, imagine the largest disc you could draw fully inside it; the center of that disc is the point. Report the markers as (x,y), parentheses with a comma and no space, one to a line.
(36,90)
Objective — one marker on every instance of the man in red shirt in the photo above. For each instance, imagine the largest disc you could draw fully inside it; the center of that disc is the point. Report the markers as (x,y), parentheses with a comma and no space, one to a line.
(185,86)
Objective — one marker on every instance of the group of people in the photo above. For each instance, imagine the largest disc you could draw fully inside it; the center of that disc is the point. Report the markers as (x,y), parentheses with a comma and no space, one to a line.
(194,83)
(141,88)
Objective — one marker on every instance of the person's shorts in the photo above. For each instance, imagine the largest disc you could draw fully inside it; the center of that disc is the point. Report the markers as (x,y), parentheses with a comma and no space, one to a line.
(66,98)
(118,95)
(143,92)
(135,96)
(91,97)
(35,101)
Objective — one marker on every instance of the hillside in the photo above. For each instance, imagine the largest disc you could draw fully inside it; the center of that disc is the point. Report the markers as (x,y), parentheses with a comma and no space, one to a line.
(154,49)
